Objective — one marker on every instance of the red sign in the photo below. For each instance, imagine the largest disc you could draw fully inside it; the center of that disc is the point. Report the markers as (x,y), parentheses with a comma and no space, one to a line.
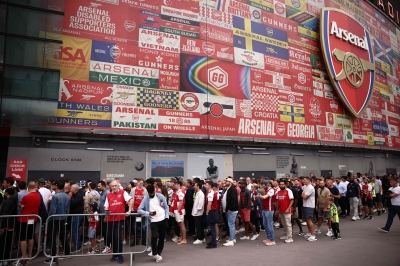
(207,48)
(347,50)
(17,169)
(216,34)
(76,91)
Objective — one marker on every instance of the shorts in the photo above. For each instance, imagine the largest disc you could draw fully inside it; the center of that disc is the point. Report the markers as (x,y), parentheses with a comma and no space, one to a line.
(91,232)
(180,217)
(25,231)
(295,215)
(308,213)
(367,202)
(378,198)
(321,213)
(245,214)
(37,228)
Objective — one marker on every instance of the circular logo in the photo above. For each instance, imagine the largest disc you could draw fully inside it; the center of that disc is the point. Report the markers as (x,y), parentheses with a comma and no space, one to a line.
(279,8)
(296,3)
(115,52)
(256,14)
(179,120)
(291,98)
(216,109)
(135,117)
(189,102)
(146,82)
(158,98)
(139,166)
(208,48)
(334,106)
(160,40)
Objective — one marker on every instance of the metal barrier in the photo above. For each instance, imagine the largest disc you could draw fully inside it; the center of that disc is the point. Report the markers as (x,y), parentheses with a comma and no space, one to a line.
(17,236)
(107,235)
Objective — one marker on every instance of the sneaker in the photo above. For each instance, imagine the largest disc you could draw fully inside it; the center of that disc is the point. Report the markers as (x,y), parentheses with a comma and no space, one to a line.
(76,250)
(307,235)
(120,260)
(204,240)
(237,232)
(218,240)
(65,258)
(47,261)
(354,218)
(383,211)
(262,230)
(254,237)
(124,242)
(100,240)
(301,233)
(370,217)
(358,217)
(276,224)
(234,241)
(175,238)
(365,217)
(383,229)
(198,242)
(212,246)
(148,249)
(113,258)
(312,238)
(229,244)
(283,238)
(86,243)
(330,233)
(336,238)
(91,252)
(150,254)
(106,250)
(271,243)
(158,258)
(245,238)
(303,223)
(289,240)
(317,231)
(241,230)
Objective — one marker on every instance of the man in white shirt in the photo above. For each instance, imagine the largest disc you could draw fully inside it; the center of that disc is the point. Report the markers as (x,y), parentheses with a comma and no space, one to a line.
(394,208)
(378,194)
(249,184)
(197,213)
(308,197)
(342,187)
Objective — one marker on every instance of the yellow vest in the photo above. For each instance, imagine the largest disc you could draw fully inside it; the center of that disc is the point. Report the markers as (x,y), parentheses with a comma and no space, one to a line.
(373,189)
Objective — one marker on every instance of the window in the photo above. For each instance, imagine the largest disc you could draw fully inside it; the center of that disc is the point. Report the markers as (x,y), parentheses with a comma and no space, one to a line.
(56,5)
(31,83)
(34,23)
(30,53)
(3,9)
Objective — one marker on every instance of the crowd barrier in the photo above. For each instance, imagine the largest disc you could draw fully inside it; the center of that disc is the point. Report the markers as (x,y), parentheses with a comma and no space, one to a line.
(78,235)
(18,232)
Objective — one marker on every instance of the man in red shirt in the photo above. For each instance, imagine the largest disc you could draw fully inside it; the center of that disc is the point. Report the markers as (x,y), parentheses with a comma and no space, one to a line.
(29,204)
(115,203)
(179,210)
(138,193)
(285,201)
(366,199)
(212,215)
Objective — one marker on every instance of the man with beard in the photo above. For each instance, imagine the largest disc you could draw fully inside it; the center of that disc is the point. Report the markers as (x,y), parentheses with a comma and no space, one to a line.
(354,194)
(285,201)
(155,207)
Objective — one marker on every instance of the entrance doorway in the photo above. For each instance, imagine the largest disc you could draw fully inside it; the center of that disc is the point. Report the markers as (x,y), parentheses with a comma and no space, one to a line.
(254,174)
(326,173)
(75,176)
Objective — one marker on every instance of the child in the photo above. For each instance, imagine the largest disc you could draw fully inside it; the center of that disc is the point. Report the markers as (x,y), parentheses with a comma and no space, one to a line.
(93,220)
(334,218)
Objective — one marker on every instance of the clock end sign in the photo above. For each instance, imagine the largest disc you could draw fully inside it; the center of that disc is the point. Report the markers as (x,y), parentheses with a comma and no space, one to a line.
(17,169)
(347,50)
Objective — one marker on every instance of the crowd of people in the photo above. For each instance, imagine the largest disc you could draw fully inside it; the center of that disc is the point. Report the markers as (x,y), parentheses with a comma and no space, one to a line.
(103,216)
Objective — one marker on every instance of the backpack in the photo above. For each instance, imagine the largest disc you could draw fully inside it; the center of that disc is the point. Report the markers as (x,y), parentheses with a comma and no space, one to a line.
(42,210)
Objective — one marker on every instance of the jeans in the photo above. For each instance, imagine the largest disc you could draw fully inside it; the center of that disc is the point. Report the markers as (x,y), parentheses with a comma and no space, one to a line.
(287,224)
(354,205)
(157,236)
(268,217)
(198,221)
(392,213)
(231,217)
(58,226)
(75,232)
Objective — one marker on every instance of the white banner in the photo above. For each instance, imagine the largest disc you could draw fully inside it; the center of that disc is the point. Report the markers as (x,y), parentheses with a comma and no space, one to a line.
(159,40)
(249,58)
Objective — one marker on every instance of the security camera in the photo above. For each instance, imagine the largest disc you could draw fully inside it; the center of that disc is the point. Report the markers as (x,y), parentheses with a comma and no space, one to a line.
(37,141)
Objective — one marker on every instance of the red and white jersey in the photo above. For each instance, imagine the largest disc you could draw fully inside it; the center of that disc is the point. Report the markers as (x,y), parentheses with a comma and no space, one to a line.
(268,203)
(284,197)
(139,196)
(366,191)
(178,196)
(115,203)
(213,198)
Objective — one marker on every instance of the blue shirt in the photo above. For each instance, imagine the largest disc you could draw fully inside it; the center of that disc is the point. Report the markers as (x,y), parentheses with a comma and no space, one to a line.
(21,194)
(59,205)
(103,197)
(145,206)
(353,190)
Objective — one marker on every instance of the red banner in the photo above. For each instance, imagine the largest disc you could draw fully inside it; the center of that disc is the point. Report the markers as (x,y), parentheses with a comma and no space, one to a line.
(17,169)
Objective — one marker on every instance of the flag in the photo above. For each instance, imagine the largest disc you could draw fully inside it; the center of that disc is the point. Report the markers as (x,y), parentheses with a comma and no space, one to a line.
(291,114)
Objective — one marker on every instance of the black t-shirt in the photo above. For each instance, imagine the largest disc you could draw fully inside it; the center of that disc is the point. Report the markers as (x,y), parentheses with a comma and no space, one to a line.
(335,191)
(295,196)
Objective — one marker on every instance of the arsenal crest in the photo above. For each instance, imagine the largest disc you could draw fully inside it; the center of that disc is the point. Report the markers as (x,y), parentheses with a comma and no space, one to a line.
(347,50)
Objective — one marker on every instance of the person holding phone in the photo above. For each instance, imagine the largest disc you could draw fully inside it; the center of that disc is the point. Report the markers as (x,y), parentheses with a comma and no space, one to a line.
(155,206)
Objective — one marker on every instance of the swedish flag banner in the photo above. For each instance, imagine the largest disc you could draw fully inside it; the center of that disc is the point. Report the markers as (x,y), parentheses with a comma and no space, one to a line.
(256,37)
(291,114)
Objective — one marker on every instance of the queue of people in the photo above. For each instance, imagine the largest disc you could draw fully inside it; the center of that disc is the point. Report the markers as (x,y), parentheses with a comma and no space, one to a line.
(107,214)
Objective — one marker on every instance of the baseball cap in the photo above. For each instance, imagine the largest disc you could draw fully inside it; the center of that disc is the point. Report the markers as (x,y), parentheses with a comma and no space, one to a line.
(42,180)
(179,182)
(264,182)
(243,183)
(229,180)
(134,181)
(93,204)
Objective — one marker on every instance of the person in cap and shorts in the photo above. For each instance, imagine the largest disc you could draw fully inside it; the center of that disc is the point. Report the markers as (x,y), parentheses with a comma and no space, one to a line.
(93,223)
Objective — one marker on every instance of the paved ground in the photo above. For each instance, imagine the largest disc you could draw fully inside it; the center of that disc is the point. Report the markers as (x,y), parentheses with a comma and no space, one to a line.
(362,244)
